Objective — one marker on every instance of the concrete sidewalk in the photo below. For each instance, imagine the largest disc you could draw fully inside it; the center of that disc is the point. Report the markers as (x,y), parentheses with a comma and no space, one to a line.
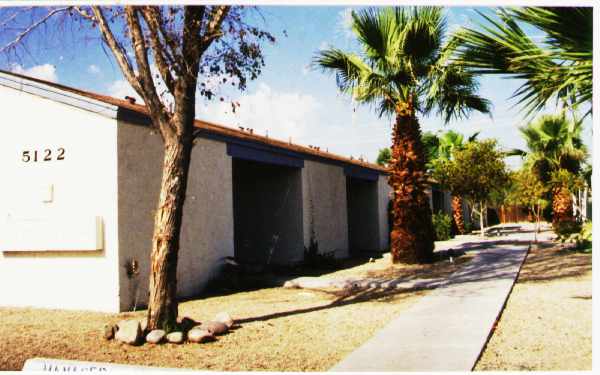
(448,328)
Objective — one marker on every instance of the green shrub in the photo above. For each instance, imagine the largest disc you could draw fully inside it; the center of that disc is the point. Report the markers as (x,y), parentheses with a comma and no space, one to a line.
(581,239)
(313,258)
(468,227)
(564,229)
(442,225)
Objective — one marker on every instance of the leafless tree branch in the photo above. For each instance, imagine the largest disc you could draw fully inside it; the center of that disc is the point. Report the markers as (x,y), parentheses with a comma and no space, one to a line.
(84,13)
(31,28)
(149,94)
(117,50)
(161,55)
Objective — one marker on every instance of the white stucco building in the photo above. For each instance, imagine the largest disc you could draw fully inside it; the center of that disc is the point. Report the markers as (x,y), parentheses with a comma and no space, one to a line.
(81,175)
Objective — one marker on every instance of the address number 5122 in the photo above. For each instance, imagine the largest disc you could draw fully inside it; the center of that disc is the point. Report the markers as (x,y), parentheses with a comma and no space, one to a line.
(46,155)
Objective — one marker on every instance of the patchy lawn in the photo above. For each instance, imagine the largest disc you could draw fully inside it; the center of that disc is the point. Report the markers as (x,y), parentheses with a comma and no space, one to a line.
(280,329)
(547,323)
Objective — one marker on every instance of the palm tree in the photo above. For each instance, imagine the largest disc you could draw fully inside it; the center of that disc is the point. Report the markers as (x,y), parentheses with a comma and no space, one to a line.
(559,66)
(403,70)
(556,152)
(449,142)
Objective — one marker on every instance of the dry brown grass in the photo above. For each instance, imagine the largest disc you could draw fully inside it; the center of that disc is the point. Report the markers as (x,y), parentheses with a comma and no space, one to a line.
(280,329)
(547,323)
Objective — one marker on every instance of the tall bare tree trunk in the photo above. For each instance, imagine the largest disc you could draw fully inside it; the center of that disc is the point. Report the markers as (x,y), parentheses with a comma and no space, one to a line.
(162,304)
(412,229)
(481,222)
(457,213)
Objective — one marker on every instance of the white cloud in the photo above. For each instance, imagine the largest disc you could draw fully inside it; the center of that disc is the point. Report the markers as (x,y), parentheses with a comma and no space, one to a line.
(281,114)
(344,22)
(306,69)
(324,45)
(304,119)
(46,72)
(93,69)
(121,88)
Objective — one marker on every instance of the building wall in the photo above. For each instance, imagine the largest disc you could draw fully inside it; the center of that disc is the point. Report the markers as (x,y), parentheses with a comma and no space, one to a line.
(385,192)
(325,208)
(58,201)
(207,227)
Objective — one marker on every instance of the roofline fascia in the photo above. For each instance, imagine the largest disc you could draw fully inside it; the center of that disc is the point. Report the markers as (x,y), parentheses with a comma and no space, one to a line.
(57,95)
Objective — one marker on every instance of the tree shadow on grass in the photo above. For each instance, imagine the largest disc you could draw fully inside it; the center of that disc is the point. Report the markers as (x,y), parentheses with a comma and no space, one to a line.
(543,264)
(552,262)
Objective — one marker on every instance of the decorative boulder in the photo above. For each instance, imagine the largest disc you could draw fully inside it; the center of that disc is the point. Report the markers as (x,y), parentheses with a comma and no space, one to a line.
(155,336)
(109,331)
(224,318)
(216,328)
(129,332)
(175,337)
(200,335)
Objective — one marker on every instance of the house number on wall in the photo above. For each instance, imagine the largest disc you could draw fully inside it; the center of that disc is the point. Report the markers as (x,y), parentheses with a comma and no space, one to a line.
(45,155)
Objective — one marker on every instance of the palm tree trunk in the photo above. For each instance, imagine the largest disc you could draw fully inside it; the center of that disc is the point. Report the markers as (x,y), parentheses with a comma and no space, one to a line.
(562,205)
(162,304)
(457,213)
(412,229)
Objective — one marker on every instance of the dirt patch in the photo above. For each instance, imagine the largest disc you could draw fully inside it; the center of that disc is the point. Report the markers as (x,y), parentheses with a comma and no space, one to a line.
(547,323)
(280,329)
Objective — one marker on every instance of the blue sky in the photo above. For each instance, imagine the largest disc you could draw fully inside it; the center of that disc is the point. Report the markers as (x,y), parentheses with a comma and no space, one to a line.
(290,99)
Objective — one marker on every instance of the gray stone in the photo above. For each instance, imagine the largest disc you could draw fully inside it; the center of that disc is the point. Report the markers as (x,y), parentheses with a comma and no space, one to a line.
(129,332)
(224,318)
(155,336)
(200,335)
(109,331)
(216,328)
(175,337)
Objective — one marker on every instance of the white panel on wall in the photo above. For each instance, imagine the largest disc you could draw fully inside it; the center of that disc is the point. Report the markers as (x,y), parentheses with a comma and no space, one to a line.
(58,233)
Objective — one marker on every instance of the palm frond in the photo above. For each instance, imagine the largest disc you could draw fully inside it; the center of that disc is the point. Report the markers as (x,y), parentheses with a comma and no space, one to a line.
(402,50)
(422,37)
(560,67)
(348,67)
(453,92)
(554,142)
(376,31)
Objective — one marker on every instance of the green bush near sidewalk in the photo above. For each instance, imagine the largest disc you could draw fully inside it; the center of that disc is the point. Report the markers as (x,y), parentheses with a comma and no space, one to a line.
(442,225)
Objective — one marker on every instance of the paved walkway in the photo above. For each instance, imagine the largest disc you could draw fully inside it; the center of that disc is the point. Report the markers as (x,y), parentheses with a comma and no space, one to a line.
(448,328)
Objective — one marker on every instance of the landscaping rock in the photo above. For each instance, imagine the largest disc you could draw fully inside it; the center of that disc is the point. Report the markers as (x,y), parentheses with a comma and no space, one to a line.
(109,331)
(216,328)
(175,337)
(224,318)
(129,332)
(155,336)
(200,335)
